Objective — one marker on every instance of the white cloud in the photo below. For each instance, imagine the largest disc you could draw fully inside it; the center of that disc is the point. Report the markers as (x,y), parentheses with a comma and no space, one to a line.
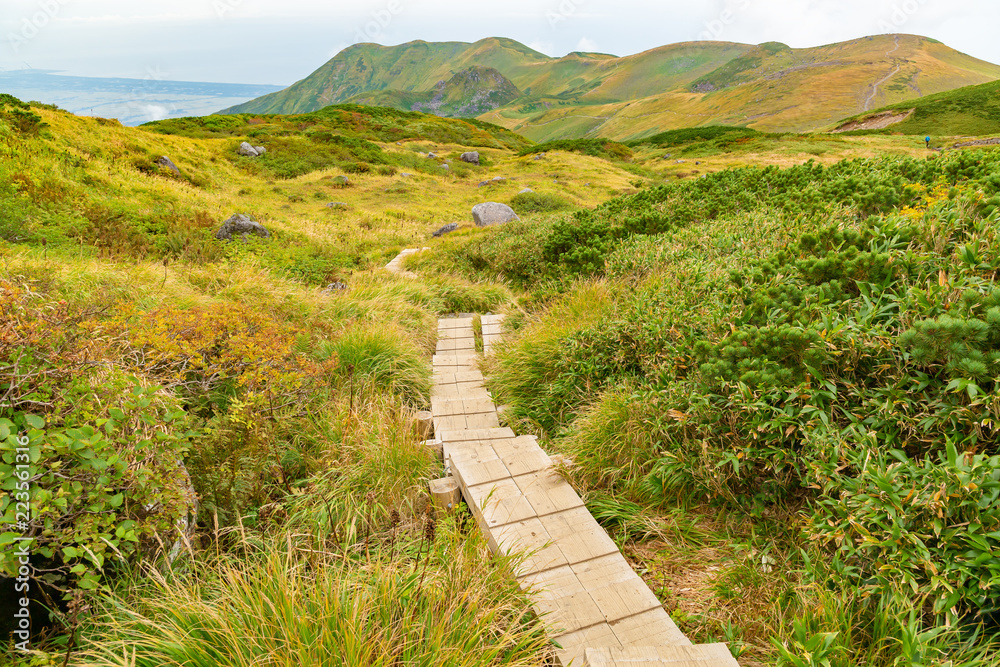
(548,48)
(279,41)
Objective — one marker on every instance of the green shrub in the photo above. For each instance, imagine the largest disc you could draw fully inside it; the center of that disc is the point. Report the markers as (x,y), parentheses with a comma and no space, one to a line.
(534,202)
(602,148)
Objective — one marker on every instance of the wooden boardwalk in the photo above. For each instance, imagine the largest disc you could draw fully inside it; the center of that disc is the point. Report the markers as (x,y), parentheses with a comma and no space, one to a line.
(396,265)
(596,608)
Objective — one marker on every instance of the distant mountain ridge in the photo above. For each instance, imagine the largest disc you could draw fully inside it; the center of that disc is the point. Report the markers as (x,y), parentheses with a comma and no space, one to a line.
(769,86)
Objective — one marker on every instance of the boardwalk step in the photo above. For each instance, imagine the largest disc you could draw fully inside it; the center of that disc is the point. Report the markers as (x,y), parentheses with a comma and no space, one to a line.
(595,607)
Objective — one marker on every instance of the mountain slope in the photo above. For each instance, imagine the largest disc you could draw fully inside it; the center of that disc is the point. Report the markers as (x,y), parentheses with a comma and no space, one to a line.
(471,92)
(768,87)
(972,110)
(773,88)
(418,67)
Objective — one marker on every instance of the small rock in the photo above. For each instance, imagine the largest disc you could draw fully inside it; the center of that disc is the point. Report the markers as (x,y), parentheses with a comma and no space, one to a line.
(340,180)
(405,174)
(260,150)
(680,161)
(492,213)
(334,287)
(337,204)
(444,166)
(432,155)
(248,150)
(697,162)
(525,191)
(166,162)
(472,157)
(241,226)
(447,229)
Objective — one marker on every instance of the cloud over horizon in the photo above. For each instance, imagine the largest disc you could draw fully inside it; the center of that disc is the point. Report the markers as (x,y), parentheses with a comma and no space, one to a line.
(261,41)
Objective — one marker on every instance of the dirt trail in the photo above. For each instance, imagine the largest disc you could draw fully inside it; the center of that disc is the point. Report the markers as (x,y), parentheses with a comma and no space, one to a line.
(871,98)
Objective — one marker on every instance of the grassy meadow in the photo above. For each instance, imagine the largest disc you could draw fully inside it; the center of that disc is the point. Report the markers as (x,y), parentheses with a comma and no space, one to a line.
(774,373)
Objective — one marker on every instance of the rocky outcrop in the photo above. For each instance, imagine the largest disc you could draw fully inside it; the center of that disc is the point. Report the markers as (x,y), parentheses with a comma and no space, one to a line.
(242,227)
(167,163)
(447,229)
(492,213)
(472,157)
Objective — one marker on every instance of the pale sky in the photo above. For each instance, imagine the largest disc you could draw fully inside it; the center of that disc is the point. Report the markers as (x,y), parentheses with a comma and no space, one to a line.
(280,42)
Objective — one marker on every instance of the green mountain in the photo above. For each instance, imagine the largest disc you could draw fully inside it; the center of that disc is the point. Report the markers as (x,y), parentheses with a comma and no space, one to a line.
(769,87)
(972,110)
(420,67)
(468,93)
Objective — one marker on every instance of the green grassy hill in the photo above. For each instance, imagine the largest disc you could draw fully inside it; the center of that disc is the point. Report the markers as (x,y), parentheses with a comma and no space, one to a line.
(769,87)
(417,67)
(972,110)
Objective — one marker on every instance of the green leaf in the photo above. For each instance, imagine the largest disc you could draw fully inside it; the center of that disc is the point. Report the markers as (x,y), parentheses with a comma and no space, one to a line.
(116,500)
(34,421)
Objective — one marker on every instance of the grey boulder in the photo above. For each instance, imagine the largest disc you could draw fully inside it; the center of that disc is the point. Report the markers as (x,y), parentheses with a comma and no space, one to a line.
(492,213)
(248,150)
(241,226)
(340,180)
(472,157)
(166,162)
(447,229)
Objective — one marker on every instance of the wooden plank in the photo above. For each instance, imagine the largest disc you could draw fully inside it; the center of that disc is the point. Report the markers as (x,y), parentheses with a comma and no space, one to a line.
(523,456)
(455,344)
(483,421)
(455,323)
(480,472)
(623,599)
(529,539)
(475,435)
(569,613)
(460,391)
(715,654)
(448,377)
(651,628)
(497,504)
(445,334)
(609,569)
(548,493)
(466,453)
(574,644)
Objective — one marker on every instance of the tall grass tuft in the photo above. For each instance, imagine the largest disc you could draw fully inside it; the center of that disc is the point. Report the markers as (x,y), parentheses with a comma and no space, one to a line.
(288,604)
(381,358)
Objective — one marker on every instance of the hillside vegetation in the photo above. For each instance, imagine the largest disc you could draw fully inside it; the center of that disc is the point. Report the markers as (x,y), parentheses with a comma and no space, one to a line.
(770,87)
(776,383)
(778,386)
(972,110)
